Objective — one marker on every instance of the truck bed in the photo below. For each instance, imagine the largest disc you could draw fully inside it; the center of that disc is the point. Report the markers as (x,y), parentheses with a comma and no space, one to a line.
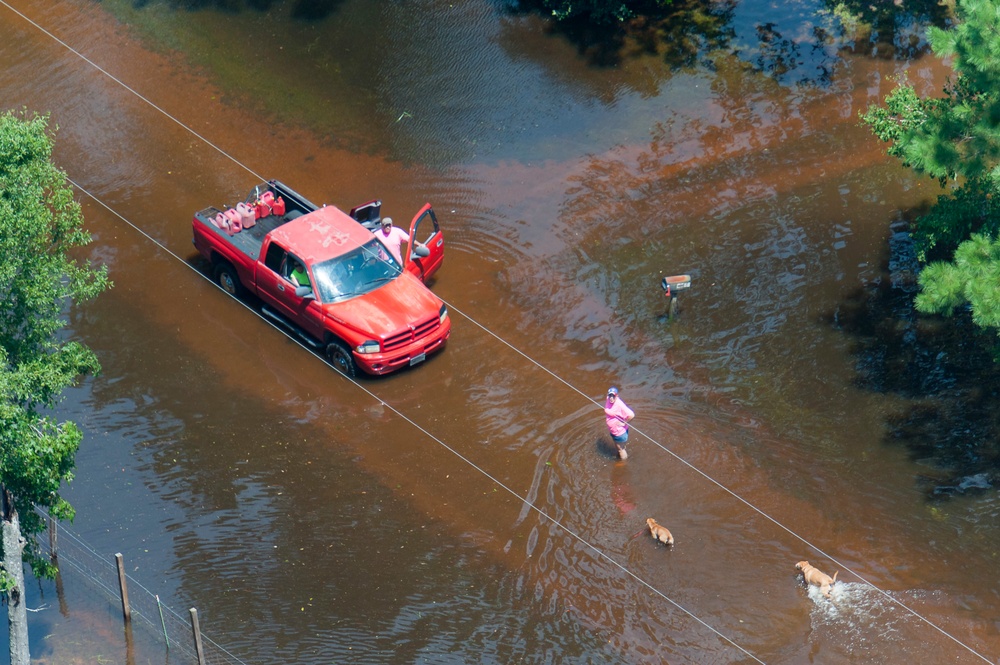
(249,240)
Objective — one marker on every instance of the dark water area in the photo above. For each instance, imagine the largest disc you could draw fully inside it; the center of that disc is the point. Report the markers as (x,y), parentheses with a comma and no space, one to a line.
(469,510)
(946,370)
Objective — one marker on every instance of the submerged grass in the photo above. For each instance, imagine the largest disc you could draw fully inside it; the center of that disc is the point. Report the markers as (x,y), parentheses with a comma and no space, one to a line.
(268,61)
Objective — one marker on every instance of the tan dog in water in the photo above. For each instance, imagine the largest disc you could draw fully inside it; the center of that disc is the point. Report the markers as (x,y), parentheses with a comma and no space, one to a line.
(660,532)
(816,577)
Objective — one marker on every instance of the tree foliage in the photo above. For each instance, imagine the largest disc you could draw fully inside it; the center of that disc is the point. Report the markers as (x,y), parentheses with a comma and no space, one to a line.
(40,227)
(955,139)
(971,278)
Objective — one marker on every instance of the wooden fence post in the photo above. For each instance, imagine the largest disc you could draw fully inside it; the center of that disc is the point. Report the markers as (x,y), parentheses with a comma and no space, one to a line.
(126,608)
(196,631)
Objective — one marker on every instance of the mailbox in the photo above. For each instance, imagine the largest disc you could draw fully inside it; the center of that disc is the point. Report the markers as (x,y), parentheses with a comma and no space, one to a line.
(671,285)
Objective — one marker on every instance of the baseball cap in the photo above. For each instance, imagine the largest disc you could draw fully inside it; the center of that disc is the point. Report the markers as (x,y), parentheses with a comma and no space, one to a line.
(612,390)
(387,221)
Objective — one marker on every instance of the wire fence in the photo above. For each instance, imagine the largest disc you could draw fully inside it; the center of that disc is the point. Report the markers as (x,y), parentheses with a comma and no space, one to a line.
(179,633)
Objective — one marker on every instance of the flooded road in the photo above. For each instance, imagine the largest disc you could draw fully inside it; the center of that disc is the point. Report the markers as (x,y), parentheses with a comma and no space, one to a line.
(470,510)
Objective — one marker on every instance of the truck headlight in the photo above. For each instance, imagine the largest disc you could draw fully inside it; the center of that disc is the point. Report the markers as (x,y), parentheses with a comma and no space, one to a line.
(368,346)
(443,313)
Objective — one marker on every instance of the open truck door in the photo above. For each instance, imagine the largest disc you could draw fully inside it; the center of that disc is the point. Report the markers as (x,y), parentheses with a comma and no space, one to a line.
(424,230)
(368,215)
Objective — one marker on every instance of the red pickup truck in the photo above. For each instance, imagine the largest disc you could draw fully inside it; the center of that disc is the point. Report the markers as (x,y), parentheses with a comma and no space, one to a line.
(323,274)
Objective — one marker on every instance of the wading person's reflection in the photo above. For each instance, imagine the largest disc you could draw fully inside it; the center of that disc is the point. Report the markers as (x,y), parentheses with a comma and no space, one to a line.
(621,491)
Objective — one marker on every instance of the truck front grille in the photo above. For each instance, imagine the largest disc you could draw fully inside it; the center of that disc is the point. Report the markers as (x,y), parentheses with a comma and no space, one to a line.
(411,334)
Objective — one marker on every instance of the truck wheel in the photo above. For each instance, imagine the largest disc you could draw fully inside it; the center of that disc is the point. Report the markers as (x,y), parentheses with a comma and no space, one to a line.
(226,276)
(341,358)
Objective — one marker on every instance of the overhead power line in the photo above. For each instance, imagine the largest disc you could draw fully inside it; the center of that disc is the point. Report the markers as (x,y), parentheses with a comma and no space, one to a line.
(528,358)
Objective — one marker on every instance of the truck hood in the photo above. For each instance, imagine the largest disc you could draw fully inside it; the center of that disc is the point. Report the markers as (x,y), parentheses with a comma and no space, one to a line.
(401,303)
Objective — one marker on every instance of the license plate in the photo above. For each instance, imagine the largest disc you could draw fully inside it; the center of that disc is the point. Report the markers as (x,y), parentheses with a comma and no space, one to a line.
(418,359)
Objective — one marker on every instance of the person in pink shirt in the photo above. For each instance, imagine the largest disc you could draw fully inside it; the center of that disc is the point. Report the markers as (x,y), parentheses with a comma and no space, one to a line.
(616,415)
(393,238)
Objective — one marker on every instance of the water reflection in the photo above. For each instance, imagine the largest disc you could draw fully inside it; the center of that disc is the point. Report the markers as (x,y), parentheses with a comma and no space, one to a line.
(944,369)
(895,29)
(303,10)
(799,44)
(423,99)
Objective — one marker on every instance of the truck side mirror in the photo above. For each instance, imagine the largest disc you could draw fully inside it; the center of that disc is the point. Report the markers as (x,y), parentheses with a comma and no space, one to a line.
(305,292)
(420,251)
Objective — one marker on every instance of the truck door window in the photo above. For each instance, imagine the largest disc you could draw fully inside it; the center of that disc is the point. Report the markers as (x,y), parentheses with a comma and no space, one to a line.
(296,271)
(275,257)
(426,227)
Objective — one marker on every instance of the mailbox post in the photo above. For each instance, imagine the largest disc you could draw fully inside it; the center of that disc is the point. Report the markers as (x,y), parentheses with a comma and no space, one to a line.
(672,286)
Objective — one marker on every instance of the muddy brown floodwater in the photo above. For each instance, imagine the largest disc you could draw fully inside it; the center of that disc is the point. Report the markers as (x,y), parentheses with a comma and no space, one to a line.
(469,510)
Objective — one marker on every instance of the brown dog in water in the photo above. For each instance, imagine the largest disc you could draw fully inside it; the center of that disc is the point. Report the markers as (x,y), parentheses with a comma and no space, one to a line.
(660,532)
(816,577)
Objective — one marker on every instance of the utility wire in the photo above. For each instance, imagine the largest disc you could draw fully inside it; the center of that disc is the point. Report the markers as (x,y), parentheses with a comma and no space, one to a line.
(434,438)
(86,547)
(739,498)
(557,377)
(131,89)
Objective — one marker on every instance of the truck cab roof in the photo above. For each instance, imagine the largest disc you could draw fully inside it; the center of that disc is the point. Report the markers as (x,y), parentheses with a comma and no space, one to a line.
(320,235)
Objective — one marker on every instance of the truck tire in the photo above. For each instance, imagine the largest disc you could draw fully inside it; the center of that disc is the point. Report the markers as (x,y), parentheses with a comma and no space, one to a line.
(226,277)
(341,358)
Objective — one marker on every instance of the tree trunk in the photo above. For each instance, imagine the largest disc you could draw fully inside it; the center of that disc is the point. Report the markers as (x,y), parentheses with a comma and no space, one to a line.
(17,613)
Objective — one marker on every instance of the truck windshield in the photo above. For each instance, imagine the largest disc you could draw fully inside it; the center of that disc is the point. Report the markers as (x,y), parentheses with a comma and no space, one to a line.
(359,271)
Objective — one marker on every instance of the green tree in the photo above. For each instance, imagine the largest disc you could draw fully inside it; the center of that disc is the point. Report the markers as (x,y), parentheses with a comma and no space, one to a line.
(40,227)
(955,139)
